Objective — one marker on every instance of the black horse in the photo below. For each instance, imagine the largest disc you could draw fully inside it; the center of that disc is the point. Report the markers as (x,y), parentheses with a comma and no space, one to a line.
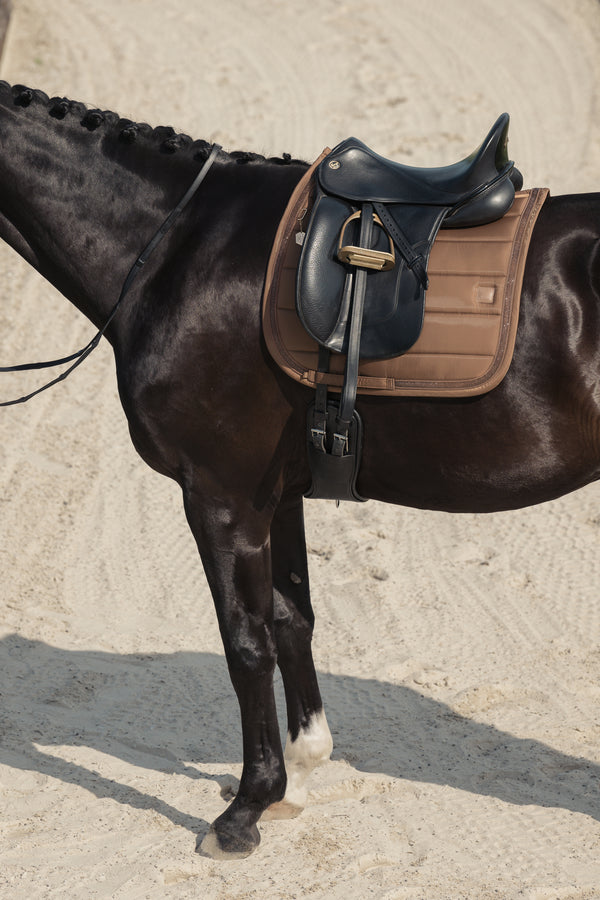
(81,193)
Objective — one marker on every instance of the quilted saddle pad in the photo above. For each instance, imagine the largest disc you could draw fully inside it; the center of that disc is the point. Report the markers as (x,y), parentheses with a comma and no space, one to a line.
(471,307)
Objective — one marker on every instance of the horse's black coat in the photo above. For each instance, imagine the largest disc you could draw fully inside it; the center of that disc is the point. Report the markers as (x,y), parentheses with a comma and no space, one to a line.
(81,191)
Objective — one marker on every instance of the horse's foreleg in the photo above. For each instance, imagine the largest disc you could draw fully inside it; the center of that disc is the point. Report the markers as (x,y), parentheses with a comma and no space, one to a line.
(309,740)
(233,540)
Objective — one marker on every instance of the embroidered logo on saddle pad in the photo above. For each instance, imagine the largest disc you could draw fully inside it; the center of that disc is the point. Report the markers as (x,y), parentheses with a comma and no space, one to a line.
(471,307)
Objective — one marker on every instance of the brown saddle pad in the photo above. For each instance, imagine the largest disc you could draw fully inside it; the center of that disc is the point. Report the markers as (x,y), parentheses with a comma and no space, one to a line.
(471,307)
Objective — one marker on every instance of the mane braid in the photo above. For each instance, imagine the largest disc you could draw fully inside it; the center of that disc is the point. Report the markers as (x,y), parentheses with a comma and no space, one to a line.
(165,138)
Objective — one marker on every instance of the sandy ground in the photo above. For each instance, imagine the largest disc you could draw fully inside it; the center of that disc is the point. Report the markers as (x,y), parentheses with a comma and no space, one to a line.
(461,669)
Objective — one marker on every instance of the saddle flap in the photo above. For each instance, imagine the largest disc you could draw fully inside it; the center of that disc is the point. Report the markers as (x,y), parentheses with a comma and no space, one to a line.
(394,296)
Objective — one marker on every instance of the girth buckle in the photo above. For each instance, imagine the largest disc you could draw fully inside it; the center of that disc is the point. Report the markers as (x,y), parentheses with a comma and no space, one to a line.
(318,438)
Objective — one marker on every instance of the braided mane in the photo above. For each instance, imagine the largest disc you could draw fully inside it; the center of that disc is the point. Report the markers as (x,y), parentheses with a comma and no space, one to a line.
(165,138)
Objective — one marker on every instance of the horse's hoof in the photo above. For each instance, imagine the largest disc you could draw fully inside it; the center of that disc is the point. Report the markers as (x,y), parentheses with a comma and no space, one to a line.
(218,845)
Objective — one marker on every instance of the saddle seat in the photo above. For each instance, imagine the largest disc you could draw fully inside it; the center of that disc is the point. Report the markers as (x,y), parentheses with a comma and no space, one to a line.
(476,187)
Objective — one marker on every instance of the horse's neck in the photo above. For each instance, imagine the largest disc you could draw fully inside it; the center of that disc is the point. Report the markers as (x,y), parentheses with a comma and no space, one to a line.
(76,212)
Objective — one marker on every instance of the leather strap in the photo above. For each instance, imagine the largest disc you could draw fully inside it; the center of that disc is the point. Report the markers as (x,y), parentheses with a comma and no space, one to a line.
(318,427)
(82,354)
(348,398)
(414,261)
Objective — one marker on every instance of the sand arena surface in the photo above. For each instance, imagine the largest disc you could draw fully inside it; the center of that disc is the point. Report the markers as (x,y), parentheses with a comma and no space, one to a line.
(462,689)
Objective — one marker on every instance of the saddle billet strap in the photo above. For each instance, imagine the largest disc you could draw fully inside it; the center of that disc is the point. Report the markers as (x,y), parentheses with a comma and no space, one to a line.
(414,260)
(318,426)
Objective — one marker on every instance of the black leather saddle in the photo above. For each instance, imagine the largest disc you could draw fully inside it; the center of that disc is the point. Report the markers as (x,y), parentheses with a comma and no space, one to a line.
(362,275)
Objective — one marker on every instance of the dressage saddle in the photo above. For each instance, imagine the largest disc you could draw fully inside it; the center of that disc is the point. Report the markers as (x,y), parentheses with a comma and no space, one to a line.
(362,276)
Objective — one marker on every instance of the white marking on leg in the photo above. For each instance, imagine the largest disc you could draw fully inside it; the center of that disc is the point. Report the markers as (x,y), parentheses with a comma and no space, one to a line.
(312,747)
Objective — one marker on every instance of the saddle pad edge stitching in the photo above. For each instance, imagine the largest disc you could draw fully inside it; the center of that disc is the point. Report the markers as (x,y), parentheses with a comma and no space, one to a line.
(472,240)
(463,273)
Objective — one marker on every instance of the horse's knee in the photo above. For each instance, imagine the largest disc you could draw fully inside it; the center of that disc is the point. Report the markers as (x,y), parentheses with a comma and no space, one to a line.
(251,662)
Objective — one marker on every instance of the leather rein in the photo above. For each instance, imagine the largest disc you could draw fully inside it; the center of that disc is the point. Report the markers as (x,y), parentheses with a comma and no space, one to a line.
(82,354)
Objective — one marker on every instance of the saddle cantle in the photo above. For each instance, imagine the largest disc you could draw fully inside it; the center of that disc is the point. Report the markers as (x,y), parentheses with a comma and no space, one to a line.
(362,274)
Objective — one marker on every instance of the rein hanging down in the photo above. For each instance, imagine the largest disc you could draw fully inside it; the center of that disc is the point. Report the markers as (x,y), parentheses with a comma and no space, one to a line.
(82,354)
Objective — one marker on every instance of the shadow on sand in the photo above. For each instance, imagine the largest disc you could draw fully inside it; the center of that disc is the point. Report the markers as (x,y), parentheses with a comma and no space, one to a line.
(156,710)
